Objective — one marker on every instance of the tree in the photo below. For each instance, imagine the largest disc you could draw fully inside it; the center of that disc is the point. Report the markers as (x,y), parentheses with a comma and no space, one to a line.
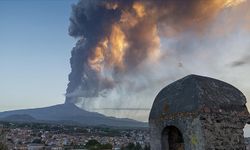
(2,140)
(3,146)
(132,146)
(107,146)
(147,147)
(93,145)
(138,146)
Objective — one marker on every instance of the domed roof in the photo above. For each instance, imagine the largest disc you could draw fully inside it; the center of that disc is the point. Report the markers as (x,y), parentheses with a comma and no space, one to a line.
(195,93)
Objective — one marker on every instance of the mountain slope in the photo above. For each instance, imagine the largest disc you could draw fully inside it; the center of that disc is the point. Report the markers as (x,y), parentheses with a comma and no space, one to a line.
(71,113)
(19,118)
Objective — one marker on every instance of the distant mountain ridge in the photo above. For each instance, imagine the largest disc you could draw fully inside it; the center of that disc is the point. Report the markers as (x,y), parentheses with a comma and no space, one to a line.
(67,113)
(19,118)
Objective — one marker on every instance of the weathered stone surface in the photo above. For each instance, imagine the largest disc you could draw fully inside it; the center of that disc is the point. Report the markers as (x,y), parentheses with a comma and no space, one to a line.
(210,114)
(222,131)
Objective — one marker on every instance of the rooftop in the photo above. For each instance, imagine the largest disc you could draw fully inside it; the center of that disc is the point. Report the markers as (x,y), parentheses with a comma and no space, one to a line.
(192,93)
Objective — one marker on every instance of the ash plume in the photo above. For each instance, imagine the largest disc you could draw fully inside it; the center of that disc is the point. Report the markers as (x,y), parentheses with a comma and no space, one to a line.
(124,44)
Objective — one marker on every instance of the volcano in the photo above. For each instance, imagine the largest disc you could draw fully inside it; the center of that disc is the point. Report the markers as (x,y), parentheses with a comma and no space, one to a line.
(68,114)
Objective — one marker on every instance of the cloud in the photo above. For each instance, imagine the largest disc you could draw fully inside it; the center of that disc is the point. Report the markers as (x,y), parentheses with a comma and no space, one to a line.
(127,51)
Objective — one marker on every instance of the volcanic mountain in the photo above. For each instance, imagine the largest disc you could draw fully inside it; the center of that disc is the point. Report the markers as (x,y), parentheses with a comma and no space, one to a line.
(69,114)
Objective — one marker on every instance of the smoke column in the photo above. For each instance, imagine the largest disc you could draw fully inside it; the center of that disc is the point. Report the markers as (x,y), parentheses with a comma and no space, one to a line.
(123,44)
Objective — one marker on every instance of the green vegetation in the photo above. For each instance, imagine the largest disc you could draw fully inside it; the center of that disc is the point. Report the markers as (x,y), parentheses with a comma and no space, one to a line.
(95,145)
(137,146)
(3,146)
(2,143)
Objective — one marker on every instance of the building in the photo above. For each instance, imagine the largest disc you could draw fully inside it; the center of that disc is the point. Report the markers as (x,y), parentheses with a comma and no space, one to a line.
(198,113)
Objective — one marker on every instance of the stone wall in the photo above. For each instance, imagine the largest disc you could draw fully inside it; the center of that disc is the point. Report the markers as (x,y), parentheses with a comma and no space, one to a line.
(210,114)
(223,131)
(189,126)
(247,142)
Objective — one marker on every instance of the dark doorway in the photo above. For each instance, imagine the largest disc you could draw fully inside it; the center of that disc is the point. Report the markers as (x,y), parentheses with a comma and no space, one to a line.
(172,139)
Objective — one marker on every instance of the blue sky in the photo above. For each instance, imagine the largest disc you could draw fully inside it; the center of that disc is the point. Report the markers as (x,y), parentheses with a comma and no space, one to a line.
(34,52)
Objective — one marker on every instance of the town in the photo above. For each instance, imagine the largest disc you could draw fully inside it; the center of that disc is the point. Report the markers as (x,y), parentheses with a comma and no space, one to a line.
(36,136)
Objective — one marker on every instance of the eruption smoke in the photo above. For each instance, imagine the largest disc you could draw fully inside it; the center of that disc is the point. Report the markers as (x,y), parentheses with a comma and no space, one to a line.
(121,39)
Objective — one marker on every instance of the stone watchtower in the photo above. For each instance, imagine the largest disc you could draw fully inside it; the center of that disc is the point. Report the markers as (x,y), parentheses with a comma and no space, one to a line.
(198,113)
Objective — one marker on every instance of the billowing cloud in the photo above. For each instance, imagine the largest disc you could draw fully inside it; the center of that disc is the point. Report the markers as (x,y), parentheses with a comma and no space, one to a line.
(128,50)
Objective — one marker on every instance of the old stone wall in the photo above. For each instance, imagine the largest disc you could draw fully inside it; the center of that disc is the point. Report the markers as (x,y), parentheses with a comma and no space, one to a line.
(189,126)
(223,131)
(210,114)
